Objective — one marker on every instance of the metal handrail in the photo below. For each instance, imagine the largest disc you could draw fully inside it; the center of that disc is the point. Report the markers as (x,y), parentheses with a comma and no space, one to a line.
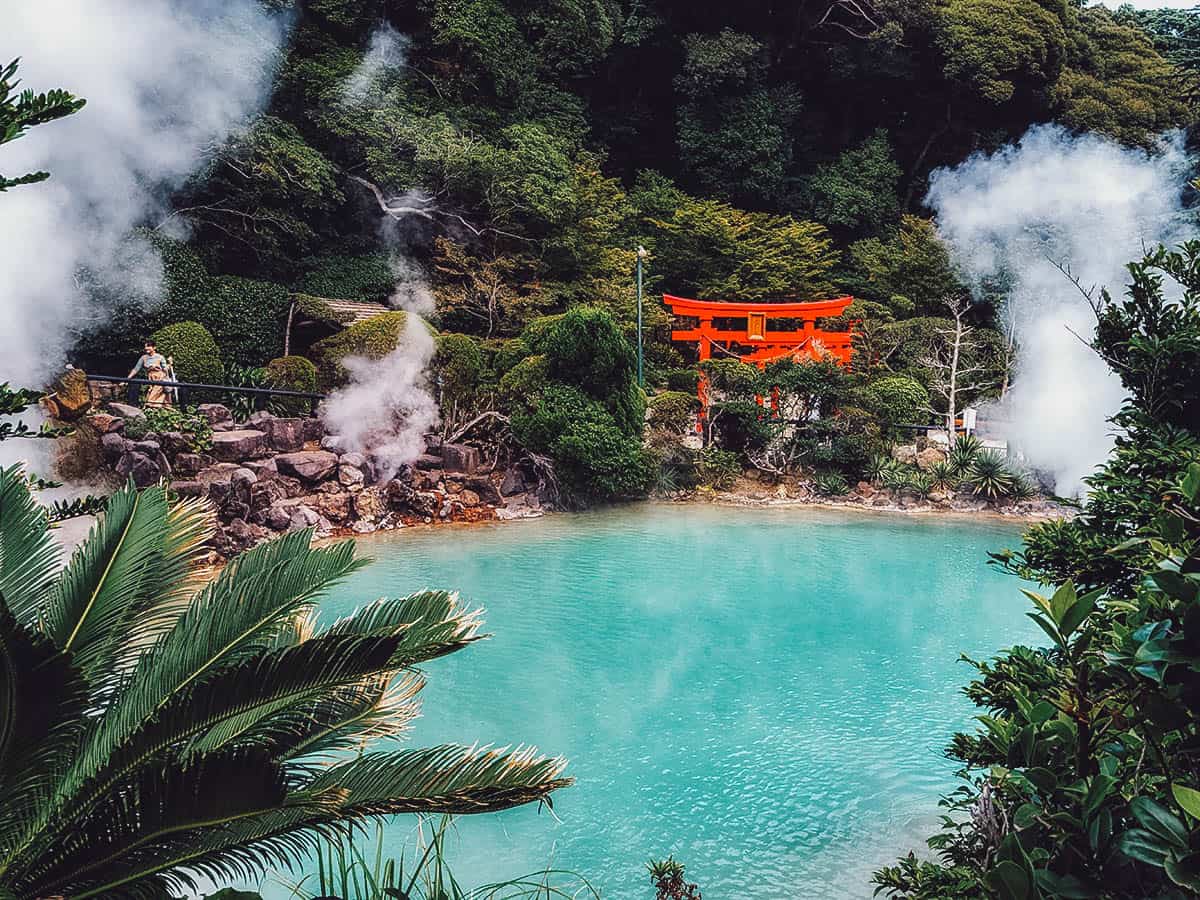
(186,386)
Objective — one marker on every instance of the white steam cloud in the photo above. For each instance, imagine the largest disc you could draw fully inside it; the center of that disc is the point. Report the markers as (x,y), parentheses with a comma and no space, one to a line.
(1078,201)
(165,84)
(388,406)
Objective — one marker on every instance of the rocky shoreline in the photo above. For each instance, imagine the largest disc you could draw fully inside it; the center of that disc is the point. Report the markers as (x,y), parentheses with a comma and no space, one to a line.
(271,474)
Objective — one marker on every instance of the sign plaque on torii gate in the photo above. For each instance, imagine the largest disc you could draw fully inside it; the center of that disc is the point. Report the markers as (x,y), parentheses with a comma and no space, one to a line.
(751,338)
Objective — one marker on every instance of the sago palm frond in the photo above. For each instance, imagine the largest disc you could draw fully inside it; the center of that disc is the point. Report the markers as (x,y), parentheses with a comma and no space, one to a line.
(29,557)
(152,729)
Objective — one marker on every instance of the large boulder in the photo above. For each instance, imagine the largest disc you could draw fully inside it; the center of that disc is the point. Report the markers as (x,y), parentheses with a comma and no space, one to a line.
(368,504)
(71,398)
(485,489)
(112,445)
(284,435)
(314,429)
(103,423)
(238,445)
(350,476)
(460,458)
(174,443)
(929,457)
(513,482)
(334,507)
(905,453)
(125,411)
(307,465)
(141,468)
(214,412)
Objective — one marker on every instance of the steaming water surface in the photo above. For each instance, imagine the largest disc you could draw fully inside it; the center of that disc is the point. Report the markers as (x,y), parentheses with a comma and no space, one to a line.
(763,693)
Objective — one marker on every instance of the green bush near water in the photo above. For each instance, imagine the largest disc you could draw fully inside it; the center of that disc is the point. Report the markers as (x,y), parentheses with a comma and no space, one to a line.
(195,354)
(372,338)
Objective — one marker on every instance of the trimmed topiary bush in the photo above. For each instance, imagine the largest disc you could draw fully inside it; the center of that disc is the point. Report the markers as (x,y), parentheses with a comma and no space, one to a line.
(685,380)
(897,398)
(525,381)
(195,353)
(373,338)
(292,373)
(368,276)
(673,410)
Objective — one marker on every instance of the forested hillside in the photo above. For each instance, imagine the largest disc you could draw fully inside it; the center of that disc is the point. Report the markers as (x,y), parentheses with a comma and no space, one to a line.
(756,149)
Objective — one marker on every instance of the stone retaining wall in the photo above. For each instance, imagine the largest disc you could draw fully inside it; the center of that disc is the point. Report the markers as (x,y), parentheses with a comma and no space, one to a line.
(271,474)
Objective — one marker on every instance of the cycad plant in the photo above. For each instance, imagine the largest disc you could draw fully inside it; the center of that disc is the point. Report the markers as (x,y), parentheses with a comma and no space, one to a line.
(963,452)
(155,726)
(990,476)
(943,476)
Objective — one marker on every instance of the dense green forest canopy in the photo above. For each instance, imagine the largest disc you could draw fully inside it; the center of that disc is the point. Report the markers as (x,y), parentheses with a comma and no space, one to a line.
(520,150)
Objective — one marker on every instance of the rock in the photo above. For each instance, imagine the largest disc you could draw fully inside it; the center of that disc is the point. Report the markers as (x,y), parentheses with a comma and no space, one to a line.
(188,488)
(361,527)
(240,535)
(334,443)
(278,517)
(260,417)
(354,459)
(217,473)
(125,411)
(905,453)
(145,446)
(865,489)
(427,479)
(428,461)
(307,465)
(460,458)
(348,475)
(314,429)
(112,445)
(368,504)
(433,444)
(243,476)
(262,467)
(938,497)
(926,459)
(215,413)
(881,500)
(238,445)
(513,482)
(72,396)
(103,423)
(486,490)
(468,497)
(284,435)
(399,493)
(174,443)
(334,507)
(303,517)
(291,487)
(140,467)
(452,486)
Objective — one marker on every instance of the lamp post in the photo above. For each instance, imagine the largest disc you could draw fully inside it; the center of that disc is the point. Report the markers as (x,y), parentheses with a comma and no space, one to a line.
(641,254)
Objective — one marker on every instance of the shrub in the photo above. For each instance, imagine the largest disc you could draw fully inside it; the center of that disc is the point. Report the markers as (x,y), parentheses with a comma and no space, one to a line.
(193,350)
(943,475)
(524,381)
(831,484)
(292,373)
(683,380)
(673,410)
(373,338)
(990,476)
(963,452)
(587,349)
(368,276)
(459,369)
(718,469)
(508,354)
(193,426)
(246,317)
(896,398)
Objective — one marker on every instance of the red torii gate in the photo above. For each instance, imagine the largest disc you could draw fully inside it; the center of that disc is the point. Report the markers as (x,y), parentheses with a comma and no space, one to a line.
(762,345)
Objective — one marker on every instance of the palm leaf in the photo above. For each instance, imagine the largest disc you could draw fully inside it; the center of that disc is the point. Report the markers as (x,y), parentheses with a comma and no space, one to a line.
(447,779)
(235,615)
(29,556)
(109,577)
(42,700)
(431,624)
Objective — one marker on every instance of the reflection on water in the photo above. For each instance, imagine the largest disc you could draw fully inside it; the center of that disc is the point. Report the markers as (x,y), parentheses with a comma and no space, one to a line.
(763,693)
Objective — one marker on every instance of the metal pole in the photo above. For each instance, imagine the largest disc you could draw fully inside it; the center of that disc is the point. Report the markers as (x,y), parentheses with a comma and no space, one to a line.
(640,253)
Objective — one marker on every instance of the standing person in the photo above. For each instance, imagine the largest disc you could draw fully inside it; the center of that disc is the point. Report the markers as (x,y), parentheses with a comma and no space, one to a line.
(155,366)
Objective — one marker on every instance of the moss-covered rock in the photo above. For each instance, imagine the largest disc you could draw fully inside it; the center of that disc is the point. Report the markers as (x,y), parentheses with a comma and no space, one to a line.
(372,338)
(194,352)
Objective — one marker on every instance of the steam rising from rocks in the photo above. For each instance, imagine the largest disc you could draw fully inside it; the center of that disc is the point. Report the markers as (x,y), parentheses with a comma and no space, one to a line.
(388,406)
(1077,201)
(165,86)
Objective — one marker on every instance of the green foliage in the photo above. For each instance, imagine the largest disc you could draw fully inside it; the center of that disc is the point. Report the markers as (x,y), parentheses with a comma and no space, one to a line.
(666,876)
(897,399)
(212,709)
(830,484)
(194,427)
(990,476)
(20,112)
(673,410)
(459,370)
(194,353)
(963,453)
(1080,780)
(292,373)
(372,338)
(367,277)
(943,476)
(718,469)
(857,191)
(910,272)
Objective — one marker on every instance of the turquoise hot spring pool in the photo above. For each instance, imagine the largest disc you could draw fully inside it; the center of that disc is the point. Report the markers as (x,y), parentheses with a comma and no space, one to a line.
(764,693)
